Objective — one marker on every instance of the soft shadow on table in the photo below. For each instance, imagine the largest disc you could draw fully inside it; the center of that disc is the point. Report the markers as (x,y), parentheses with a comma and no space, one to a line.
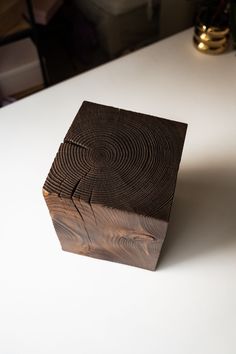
(203,217)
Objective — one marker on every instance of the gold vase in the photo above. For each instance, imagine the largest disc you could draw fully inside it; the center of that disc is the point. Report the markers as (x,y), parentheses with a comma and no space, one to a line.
(210,39)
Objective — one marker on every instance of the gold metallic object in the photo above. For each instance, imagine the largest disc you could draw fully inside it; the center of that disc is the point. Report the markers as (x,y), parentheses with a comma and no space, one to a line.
(210,39)
(213,31)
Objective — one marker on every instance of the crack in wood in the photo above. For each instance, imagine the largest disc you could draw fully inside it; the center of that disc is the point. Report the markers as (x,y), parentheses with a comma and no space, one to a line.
(90,203)
(79,212)
(89,239)
(74,143)
(72,198)
(77,184)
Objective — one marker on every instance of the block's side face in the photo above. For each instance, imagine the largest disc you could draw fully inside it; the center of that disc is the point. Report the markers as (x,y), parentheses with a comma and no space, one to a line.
(119,159)
(105,233)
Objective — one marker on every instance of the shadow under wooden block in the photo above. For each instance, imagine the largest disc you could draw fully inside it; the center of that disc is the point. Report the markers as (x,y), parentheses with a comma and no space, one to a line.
(111,185)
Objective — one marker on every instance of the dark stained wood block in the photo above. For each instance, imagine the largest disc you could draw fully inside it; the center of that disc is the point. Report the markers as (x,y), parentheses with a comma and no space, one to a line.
(111,185)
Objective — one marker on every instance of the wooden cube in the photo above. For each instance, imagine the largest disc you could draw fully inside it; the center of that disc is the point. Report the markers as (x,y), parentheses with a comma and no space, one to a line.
(111,185)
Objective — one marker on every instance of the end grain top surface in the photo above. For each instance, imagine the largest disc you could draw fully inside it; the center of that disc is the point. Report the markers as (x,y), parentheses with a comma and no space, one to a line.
(119,159)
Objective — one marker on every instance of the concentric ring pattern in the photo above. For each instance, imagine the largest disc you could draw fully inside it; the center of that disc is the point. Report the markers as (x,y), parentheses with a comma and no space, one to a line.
(119,159)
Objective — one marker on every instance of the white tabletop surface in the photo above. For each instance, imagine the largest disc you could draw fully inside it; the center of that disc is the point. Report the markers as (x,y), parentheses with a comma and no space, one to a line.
(57,302)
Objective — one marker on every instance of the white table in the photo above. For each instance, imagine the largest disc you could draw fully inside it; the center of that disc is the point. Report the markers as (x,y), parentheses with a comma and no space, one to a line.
(56,302)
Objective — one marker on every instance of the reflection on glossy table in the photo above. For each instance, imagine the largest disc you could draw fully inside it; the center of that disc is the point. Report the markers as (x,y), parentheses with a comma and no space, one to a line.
(56,302)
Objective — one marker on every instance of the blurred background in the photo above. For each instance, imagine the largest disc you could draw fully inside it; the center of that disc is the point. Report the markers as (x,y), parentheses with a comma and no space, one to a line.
(43,42)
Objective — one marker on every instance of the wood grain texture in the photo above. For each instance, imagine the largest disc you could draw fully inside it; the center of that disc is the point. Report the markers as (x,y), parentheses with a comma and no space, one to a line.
(111,185)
